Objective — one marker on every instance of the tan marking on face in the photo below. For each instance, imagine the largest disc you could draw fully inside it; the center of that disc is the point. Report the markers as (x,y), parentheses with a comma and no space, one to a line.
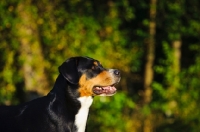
(103,79)
(84,87)
(95,63)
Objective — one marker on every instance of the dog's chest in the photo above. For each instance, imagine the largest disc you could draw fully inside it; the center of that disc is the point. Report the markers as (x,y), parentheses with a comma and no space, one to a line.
(81,116)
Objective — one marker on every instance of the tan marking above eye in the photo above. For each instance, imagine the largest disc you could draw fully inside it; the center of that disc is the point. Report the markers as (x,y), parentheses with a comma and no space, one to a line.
(95,63)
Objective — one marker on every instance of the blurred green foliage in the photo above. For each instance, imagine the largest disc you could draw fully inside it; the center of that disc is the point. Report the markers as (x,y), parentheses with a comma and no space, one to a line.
(108,113)
(37,36)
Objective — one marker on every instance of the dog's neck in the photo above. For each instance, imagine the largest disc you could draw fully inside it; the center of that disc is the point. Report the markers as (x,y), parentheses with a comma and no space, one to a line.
(82,115)
(81,104)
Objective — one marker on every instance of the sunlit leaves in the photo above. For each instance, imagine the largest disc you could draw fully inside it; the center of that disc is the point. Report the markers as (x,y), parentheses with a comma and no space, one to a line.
(107,109)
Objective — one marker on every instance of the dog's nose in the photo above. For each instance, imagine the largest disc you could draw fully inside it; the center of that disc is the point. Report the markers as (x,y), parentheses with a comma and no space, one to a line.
(117,72)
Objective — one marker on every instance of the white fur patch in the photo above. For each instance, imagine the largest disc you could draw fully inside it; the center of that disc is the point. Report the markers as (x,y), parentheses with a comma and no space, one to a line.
(81,116)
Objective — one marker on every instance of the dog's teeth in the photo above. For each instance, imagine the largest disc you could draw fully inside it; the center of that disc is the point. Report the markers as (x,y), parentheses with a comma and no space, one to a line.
(99,88)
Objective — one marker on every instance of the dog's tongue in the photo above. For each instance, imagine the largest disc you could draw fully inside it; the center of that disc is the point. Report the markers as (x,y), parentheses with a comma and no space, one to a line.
(107,90)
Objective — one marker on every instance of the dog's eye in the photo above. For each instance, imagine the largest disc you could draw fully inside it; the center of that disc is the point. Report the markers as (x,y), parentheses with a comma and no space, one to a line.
(95,68)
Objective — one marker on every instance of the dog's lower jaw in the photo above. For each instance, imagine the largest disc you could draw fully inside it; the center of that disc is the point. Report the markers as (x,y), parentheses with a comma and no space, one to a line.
(82,115)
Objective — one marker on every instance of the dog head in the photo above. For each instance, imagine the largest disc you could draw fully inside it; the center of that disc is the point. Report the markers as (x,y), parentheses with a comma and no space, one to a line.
(90,76)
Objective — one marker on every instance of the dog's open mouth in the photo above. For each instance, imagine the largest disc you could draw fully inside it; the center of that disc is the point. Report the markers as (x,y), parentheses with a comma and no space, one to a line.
(105,90)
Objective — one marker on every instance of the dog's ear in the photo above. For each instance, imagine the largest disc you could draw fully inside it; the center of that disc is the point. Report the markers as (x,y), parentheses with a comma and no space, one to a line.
(69,70)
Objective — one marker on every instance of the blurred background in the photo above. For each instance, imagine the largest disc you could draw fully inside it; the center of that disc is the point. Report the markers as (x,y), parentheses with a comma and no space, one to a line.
(155,44)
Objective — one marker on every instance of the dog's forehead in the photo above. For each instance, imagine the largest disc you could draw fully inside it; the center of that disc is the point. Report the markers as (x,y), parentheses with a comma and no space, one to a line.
(86,61)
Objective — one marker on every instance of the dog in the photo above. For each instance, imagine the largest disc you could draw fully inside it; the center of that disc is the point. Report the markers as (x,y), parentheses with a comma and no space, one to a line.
(65,108)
